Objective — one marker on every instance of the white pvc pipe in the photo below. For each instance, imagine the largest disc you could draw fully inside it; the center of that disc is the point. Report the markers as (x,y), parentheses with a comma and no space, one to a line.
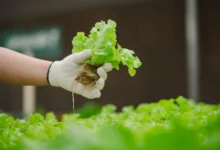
(29,100)
(28,95)
(191,20)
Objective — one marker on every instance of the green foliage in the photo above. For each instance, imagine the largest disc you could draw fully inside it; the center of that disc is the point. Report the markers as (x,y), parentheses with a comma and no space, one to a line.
(166,125)
(89,109)
(103,43)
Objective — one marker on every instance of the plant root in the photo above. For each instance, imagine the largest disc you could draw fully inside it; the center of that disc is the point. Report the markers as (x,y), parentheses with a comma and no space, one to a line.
(88,76)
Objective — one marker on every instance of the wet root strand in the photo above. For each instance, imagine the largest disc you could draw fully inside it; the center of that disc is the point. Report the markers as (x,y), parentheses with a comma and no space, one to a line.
(87,77)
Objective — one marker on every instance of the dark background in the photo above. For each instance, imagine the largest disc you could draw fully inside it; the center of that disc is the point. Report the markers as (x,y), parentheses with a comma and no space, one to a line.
(154,29)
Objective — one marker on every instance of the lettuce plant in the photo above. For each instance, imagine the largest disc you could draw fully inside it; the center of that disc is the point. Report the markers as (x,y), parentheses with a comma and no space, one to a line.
(102,40)
(166,125)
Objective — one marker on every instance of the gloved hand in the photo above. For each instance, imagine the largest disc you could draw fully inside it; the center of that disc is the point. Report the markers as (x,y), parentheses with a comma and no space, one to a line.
(63,74)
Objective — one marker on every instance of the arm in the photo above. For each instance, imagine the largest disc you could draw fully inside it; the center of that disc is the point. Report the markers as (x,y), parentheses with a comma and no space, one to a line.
(19,69)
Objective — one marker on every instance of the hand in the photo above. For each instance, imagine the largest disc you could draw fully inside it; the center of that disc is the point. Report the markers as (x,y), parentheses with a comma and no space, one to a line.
(63,74)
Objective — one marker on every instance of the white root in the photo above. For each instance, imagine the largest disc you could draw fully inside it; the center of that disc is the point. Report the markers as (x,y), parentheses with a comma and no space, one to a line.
(88,77)
(72,95)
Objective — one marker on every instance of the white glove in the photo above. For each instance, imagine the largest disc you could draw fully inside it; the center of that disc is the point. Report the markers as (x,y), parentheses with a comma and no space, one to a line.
(63,74)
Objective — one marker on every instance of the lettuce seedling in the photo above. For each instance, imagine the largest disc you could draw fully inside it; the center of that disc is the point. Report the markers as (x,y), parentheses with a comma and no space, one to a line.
(102,41)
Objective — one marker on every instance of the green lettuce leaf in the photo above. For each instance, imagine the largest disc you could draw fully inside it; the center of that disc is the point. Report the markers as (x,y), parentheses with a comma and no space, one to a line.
(102,40)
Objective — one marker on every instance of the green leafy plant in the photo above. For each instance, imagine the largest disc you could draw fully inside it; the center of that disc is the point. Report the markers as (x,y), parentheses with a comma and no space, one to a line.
(102,40)
(168,125)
